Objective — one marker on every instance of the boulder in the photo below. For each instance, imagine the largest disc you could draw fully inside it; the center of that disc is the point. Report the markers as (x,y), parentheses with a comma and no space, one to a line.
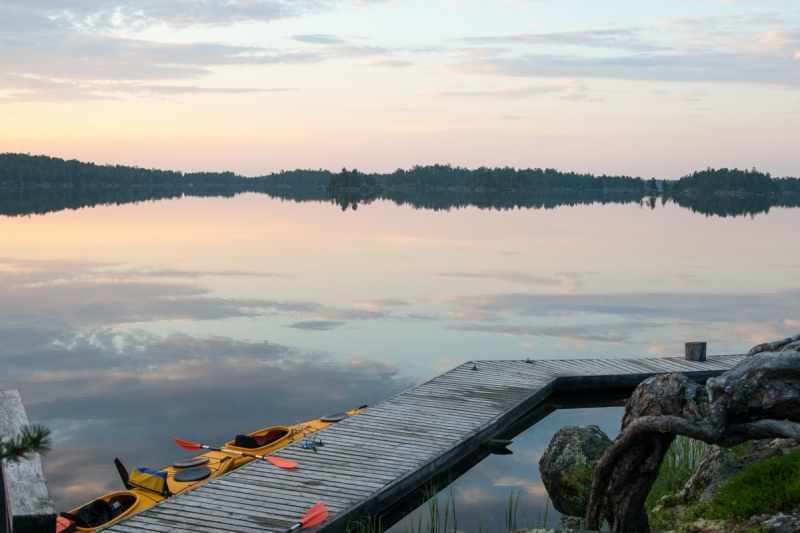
(789,344)
(784,523)
(567,465)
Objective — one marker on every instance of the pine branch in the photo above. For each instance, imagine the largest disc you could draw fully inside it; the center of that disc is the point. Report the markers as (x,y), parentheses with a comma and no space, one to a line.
(32,439)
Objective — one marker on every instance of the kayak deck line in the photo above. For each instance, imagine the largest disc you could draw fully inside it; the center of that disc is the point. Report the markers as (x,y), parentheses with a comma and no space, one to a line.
(380,463)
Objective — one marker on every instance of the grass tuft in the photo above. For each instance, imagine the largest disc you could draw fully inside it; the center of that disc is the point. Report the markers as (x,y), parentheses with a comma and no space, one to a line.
(442,516)
(679,464)
(511,510)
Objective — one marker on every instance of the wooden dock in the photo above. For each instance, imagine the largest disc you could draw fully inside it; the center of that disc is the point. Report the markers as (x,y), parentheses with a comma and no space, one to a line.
(377,463)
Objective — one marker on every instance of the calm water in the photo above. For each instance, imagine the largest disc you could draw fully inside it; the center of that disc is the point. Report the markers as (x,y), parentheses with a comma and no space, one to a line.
(206,317)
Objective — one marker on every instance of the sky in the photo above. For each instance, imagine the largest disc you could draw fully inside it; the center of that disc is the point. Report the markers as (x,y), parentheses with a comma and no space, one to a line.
(656,88)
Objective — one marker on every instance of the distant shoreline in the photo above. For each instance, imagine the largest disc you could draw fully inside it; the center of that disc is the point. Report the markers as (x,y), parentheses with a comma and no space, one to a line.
(40,184)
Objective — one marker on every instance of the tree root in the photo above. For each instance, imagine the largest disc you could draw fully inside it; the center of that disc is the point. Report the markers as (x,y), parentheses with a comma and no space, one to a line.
(740,405)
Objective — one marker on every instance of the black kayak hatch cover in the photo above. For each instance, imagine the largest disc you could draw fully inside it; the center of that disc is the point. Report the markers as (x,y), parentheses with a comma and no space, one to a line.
(338,417)
(192,474)
(189,463)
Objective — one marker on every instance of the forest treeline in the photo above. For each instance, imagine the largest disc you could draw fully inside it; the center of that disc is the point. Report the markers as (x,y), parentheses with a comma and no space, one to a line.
(483,179)
(25,171)
(732,181)
(41,184)
(21,171)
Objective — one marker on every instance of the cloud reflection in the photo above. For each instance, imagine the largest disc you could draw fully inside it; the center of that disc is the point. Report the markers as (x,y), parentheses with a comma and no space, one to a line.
(673,305)
(619,317)
(83,294)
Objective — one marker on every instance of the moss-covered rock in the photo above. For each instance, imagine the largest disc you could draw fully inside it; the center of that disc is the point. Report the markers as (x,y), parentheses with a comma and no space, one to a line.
(721,465)
(567,466)
(751,488)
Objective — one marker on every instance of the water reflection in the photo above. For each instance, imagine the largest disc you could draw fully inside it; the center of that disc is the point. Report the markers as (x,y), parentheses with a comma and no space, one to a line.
(635,312)
(482,494)
(124,326)
(48,200)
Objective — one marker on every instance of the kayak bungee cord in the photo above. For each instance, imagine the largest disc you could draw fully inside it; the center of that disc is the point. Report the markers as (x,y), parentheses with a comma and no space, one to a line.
(308,442)
(277,461)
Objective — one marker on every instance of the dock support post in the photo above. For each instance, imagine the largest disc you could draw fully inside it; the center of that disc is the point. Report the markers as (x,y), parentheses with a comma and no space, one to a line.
(695,351)
(5,504)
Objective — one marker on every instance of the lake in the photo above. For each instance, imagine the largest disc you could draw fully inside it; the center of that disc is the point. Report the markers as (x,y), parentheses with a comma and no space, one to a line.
(126,325)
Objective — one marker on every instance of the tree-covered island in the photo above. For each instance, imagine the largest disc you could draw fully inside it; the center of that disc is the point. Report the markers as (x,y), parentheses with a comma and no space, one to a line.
(726,181)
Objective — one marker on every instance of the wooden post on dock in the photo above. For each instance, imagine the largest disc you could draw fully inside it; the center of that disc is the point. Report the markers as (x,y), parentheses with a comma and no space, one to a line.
(26,502)
(695,351)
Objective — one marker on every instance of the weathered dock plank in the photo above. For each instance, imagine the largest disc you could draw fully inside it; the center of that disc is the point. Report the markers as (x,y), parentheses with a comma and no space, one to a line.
(378,462)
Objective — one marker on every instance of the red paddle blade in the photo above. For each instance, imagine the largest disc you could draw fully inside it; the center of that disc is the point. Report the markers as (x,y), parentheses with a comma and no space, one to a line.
(187,445)
(281,463)
(315,515)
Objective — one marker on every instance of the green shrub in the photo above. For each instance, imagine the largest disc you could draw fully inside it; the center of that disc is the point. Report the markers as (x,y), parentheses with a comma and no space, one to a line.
(766,487)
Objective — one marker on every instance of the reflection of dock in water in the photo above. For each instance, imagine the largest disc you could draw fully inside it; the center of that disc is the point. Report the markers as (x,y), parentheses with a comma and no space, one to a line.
(379,463)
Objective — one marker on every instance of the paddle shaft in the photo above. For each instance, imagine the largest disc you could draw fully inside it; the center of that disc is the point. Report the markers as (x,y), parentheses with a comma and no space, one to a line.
(277,461)
(294,528)
(226,450)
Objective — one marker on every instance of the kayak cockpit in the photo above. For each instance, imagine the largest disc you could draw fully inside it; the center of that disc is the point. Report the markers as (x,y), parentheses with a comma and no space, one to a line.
(109,508)
(263,438)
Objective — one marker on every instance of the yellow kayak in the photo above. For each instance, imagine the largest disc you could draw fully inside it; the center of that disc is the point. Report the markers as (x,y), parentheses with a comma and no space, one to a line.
(147,487)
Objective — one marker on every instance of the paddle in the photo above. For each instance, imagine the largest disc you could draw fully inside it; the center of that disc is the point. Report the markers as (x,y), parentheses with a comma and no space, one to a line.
(314,516)
(277,461)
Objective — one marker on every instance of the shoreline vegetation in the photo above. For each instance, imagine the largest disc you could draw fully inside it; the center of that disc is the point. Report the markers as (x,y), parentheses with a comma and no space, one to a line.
(42,184)
(756,489)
